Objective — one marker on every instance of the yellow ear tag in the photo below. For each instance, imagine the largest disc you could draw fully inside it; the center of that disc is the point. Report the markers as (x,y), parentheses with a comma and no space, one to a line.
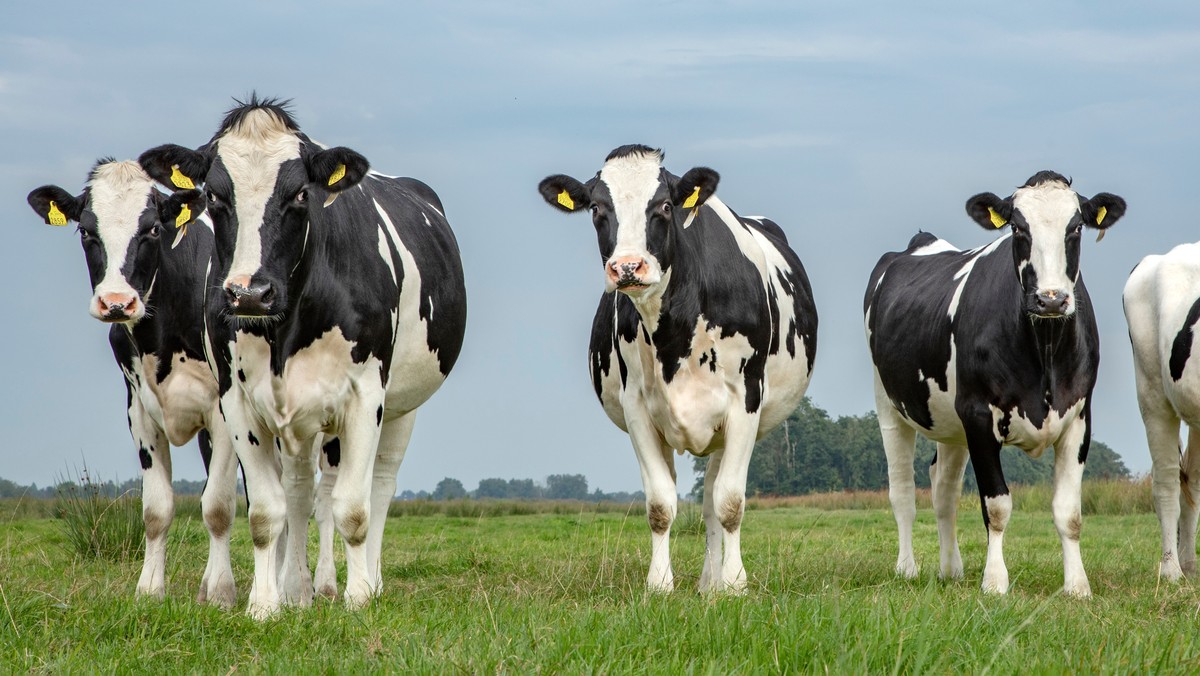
(185,215)
(692,199)
(1101,214)
(56,217)
(338,174)
(997,219)
(564,198)
(179,180)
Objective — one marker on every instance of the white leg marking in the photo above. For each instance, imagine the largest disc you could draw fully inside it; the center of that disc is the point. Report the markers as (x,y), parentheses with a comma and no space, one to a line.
(995,574)
(710,578)
(1067,507)
(899,444)
(219,505)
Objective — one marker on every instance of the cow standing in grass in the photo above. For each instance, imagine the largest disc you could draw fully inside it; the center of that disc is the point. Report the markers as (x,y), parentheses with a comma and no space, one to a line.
(1162,306)
(985,348)
(337,307)
(704,339)
(149,284)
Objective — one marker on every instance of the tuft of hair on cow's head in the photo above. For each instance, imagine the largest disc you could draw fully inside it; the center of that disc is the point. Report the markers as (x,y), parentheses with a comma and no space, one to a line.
(55,205)
(565,193)
(989,211)
(176,167)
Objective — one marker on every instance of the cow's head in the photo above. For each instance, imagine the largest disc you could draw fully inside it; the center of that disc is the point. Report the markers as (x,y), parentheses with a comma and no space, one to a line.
(637,208)
(1047,219)
(123,224)
(263,178)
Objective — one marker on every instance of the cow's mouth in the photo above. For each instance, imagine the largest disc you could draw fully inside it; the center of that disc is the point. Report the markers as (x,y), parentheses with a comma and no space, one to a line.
(632,285)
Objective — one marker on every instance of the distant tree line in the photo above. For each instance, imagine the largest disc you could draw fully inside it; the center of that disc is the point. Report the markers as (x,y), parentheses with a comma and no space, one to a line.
(110,489)
(557,487)
(813,453)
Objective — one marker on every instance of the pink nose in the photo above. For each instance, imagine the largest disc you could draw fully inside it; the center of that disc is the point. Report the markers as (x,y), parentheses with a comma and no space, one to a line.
(117,305)
(626,269)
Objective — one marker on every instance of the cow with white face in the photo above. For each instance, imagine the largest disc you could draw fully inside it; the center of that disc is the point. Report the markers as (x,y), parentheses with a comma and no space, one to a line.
(703,342)
(148,283)
(338,308)
(1162,306)
(985,348)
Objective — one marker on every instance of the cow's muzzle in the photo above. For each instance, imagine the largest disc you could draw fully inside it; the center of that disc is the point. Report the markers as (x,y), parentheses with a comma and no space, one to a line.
(248,298)
(117,307)
(627,272)
(1052,303)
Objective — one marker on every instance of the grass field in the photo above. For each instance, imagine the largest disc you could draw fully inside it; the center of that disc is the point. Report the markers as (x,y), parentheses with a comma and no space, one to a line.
(564,592)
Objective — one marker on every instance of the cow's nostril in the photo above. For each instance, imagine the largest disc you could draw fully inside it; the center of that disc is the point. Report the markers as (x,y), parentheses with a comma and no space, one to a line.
(268,295)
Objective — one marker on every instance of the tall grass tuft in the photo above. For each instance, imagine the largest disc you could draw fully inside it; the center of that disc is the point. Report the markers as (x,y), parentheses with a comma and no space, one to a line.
(96,526)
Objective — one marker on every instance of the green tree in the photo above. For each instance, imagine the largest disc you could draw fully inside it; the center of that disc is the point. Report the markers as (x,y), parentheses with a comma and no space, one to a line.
(449,489)
(492,488)
(566,487)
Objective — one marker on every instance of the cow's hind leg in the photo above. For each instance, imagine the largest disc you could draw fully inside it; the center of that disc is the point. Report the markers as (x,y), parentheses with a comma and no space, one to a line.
(899,444)
(326,574)
(1189,502)
(299,467)
(946,478)
(729,495)
(393,442)
(218,505)
(1162,436)
(1069,455)
(710,577)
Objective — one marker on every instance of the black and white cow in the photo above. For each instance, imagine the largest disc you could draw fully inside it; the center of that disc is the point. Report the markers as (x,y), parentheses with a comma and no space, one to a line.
(704,339)
(985,348)
(152,294)
(340,308)
(1162,306)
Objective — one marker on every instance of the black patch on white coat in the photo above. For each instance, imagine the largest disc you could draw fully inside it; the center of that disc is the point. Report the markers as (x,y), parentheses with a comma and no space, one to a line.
(1181,347)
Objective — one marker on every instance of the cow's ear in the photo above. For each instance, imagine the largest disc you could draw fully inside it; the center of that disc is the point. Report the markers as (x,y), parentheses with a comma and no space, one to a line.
(565,193)
(336,169)
(989,211)
(181,210)
(696,186)
(175,167)
(1102,211)
(55,205)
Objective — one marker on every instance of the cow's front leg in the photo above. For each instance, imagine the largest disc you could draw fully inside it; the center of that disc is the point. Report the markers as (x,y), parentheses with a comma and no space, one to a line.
(218,505)
(352,492)
(899,445)
(268,506)
(1069,455)
(326,575)
(710,578)
(946,478)
(658,482)
(729,494)
(1162,436)
(994,497)
(158,497)
(299,465)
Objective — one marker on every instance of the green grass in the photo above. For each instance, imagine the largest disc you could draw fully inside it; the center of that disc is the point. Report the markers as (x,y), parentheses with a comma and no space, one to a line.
(564,592)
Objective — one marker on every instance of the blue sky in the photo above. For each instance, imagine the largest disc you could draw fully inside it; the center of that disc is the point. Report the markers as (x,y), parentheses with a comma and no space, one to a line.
(851,124)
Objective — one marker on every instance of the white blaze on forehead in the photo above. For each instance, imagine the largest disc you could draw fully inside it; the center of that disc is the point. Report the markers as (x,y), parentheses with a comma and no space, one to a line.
(1048,208)
(253,152)
(632,181)
(118,195)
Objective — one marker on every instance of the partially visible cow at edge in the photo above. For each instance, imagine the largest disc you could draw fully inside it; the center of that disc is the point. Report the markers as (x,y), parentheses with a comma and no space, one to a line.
(990,347)
(152,294)
(1162,306)
(338,308)
(704,339)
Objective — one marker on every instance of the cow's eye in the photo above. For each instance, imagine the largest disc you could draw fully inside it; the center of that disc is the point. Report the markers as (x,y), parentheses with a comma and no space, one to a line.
(301,196)
(154,231)
(212,198)
(665,208)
